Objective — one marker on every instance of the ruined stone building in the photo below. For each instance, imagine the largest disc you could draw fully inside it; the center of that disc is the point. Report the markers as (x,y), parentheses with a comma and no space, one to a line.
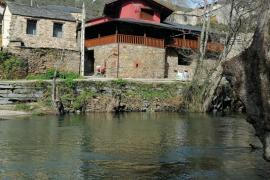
(133,40)
(39,34)
(219,14)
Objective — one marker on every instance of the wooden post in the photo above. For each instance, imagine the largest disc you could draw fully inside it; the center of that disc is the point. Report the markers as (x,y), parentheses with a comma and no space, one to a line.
(118,51)
(184,38)
(118,59)
(82,40)
(116,34)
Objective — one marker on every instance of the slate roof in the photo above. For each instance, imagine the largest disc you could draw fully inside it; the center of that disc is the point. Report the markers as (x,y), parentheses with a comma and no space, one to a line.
(49,12)
(61,8)
(165,25)
(184,26)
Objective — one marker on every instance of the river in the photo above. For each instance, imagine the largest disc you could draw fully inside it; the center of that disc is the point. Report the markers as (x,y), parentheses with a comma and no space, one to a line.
(130,146)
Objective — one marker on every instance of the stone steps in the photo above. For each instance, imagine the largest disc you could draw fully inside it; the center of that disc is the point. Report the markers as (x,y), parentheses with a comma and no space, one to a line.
(11,93)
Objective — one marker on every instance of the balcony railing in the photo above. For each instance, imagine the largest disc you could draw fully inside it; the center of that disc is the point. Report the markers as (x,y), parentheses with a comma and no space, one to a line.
(215,47)
(194,44)
(100,41)
(153,42)
(184,43)
(121,38)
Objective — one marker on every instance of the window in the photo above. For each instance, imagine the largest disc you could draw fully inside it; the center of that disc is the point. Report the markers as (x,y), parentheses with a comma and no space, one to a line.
(58,30)
(185,18)
(31,27)
(147,14)
(183,61)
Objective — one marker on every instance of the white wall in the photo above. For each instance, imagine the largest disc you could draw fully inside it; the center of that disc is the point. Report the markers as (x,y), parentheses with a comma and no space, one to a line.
(6,22)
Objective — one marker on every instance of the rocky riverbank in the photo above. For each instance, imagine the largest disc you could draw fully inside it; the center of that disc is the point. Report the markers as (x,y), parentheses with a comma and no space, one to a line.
(94,95)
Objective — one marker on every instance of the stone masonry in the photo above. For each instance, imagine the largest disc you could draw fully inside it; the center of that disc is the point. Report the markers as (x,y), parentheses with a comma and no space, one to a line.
(44,37)
(41,59)
(42,51)
(172,66)
(135,61)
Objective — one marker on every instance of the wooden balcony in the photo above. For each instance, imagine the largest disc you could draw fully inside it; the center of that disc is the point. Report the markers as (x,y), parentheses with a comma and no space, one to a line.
(194,44)
(121,38)
(152,42)
(215,47)
(184,43)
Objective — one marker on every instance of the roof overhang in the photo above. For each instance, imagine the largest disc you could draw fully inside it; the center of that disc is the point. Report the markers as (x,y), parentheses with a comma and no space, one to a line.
(164,26)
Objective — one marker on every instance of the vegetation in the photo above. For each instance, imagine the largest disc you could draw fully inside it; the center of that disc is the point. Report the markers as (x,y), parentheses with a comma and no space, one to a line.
(193,97)
(22,107)
(12,67)
(120,82)
(75,102)
(81,101)
(49,74)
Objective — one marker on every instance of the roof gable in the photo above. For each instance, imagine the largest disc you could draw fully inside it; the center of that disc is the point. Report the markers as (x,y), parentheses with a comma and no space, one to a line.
(113,6)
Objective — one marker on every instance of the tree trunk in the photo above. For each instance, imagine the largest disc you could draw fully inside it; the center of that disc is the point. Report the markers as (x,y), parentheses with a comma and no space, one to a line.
(57,103)
(249,75)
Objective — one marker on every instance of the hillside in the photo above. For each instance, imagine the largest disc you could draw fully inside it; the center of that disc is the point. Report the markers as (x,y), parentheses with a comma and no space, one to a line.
(94,8)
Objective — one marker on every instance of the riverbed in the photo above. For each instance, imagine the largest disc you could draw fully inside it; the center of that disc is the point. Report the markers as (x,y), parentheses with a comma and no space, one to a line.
(130,146)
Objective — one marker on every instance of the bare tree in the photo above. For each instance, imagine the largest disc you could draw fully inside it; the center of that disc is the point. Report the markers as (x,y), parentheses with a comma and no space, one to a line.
(250,77)
(57,103)
(239,10)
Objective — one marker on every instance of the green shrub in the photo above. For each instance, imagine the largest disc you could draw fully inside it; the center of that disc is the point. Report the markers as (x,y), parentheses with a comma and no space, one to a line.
(76,102)
(81,100)
(120,82)
(69,75)
(50,74)
(70,83)
(152,93)
(3,56)
(13,68)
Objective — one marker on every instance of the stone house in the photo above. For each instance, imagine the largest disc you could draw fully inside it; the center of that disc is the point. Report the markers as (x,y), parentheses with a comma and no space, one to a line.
(219,14)
(133,40)
(39,33)
(186,18)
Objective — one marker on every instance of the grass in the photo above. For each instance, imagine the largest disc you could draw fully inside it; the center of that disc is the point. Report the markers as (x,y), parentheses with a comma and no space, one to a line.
(49,74)
(22,107)
(120,82)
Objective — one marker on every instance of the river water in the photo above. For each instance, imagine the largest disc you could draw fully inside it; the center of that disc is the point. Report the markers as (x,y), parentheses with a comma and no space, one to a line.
(130,146)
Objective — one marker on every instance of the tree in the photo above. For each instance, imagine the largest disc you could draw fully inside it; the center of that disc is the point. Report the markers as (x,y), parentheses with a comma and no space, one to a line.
(238,10)
(249,74)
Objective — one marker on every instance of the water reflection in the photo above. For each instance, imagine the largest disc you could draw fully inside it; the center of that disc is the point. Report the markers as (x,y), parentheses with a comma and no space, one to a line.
(134,145)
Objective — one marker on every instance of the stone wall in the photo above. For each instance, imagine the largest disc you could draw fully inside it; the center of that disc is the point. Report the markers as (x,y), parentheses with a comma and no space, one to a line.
(98,96)
(135,61)
(172,65)
(44,36)
(19,92)
(188,18)
(41,59)
(107,55)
